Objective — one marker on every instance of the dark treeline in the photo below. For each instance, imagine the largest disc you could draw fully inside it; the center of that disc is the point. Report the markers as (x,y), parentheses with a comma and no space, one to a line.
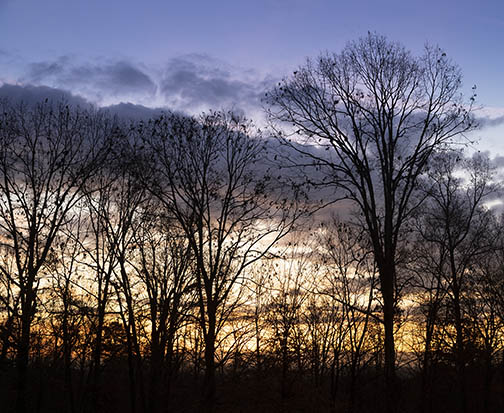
(186,264)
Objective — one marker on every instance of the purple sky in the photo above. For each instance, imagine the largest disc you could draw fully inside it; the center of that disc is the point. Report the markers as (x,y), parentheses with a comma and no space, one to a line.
(194,55)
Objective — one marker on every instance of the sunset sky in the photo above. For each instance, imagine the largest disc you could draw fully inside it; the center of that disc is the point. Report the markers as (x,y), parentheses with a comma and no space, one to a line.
(195,55)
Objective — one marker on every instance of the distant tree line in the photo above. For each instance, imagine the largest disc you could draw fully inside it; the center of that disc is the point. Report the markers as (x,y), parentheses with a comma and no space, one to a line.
(347,263)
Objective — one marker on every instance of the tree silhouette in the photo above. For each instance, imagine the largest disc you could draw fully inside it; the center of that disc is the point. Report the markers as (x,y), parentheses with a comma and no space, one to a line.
(369,119)
(48,153)
(455,229)
(162,264)
(209,175)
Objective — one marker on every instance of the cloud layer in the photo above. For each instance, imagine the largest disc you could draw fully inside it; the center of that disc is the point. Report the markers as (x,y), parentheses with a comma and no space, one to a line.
(490,122)
(189,83)
(195,81)
(33,94)
(97,82)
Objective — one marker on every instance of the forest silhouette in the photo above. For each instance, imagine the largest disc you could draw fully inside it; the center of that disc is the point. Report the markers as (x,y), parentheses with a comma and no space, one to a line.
(344,259)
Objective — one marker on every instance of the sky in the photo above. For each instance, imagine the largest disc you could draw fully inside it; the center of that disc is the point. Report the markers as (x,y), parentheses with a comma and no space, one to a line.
(194,55)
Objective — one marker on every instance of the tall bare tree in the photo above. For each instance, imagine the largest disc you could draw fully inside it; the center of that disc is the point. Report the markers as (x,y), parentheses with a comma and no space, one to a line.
(287,299)
(48,152)
(490,268)
(350,283)
(456,230)
(113,203)
(162,264)
(369,119)
(64,298)
(209,174)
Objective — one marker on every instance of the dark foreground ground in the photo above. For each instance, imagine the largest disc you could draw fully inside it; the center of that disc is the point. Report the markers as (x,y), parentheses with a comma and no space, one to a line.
(255,392)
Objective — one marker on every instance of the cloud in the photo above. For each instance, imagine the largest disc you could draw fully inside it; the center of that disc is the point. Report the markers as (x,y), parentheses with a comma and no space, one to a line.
(31,95)
(190,83)
(490,122)
(43,71)
(97,82)
(130,111)
(117,78)
(489,117)
(497,161)
(197,81)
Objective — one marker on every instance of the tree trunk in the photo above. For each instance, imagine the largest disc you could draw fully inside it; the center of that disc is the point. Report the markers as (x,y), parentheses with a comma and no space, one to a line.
(209,386)
(459,349)
(22,356)
(335,374)
(387,278)
(353,383)
(22,366)
(257,341)
(487,382)
(155,372)
(171,361)
(67,355)
(285,364)
(426,395)
(95,373)
(131,373)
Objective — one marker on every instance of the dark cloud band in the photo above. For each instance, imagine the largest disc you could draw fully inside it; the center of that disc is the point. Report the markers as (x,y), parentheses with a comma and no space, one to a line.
(190,83)
(118,79)
(487,122)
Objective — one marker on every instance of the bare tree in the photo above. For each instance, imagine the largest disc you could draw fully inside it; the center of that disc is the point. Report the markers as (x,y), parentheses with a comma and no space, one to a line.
(123,217)
(114,201)
(259,280)
(350,275)
(429,296)
(99,256)
(48,153)
(287,298)
(490,288)
(456,229)
(484,320)
(64,297)
(208,174)
(369,119)
(162,264)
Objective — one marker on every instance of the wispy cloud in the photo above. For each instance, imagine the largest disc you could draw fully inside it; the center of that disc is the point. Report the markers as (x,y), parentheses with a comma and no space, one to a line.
(33,94)
(497,161)
(97,82)
(489,117)
(199,81)
(191,83)
(490,122)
